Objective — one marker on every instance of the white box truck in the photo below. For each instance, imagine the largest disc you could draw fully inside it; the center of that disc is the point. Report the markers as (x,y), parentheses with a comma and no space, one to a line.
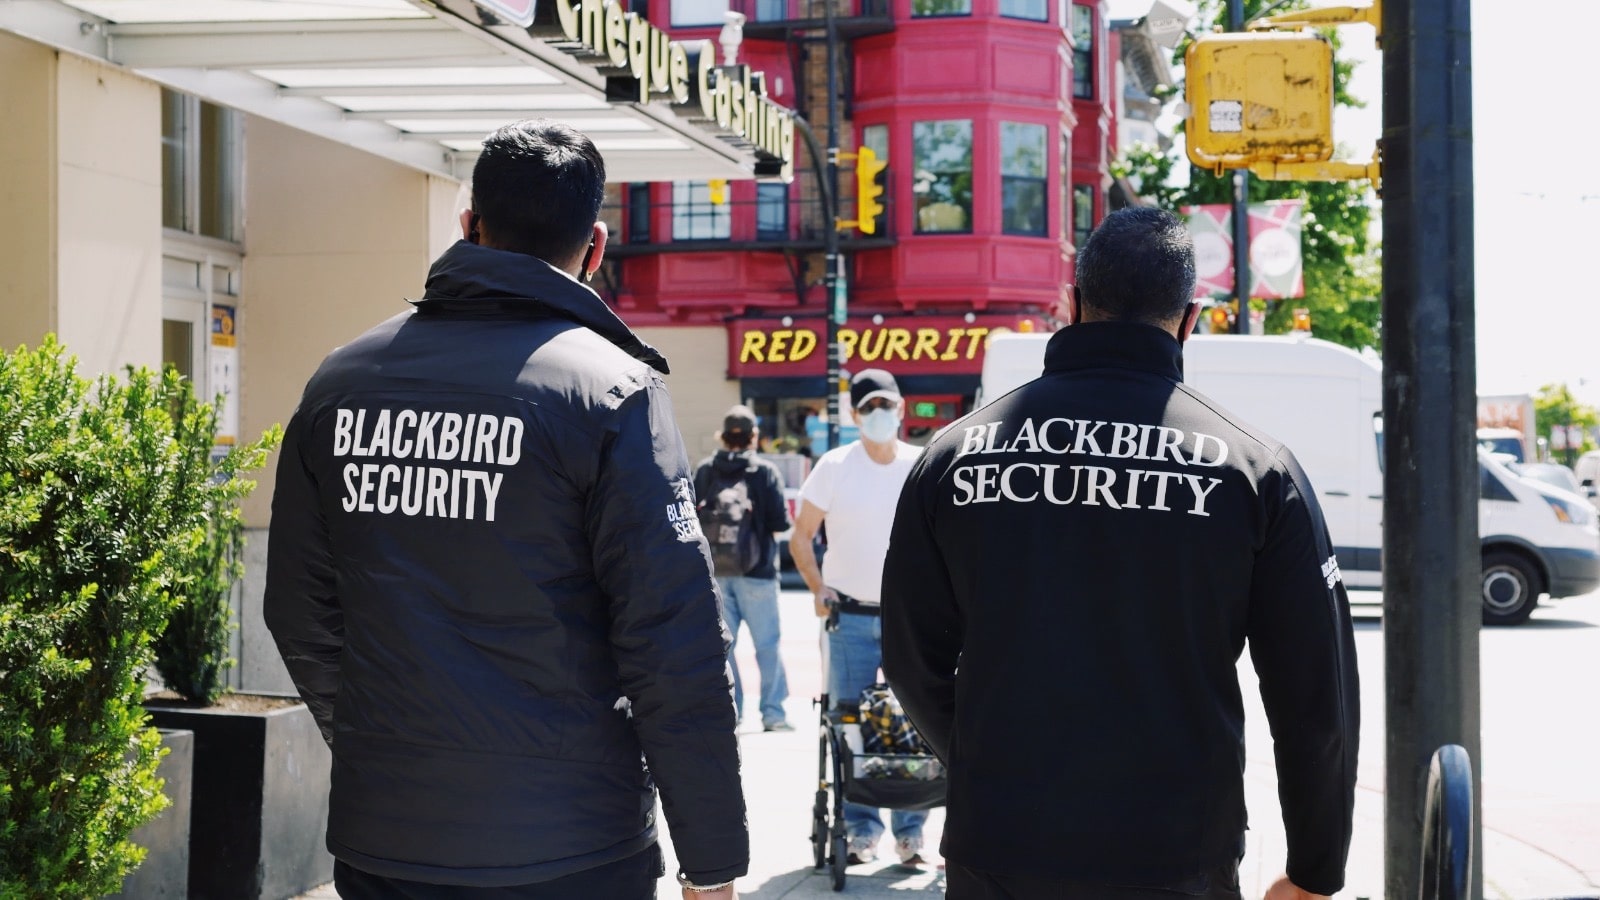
(1325,402)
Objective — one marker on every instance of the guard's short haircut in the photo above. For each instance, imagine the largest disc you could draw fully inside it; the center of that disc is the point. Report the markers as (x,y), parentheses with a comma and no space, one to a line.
(538,186)
(1138,266)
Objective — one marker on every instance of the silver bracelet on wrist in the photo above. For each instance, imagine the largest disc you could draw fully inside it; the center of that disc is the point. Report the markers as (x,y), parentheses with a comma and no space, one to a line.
(686,883)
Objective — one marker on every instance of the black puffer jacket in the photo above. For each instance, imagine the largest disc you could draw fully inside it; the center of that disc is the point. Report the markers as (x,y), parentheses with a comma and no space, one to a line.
(765,484)
(487,579)
(1073,574)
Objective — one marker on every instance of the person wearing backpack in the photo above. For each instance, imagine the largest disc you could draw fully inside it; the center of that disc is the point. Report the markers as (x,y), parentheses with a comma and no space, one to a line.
(741,507)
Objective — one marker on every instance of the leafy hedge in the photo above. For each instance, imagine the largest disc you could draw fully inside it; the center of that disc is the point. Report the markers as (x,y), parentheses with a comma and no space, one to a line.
(105,493)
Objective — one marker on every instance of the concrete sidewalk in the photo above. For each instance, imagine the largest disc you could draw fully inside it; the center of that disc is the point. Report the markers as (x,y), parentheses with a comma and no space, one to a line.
(780,778)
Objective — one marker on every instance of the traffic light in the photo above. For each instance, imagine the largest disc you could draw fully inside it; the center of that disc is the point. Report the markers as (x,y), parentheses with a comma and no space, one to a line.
(1221,318)
(869,189)
(717,191)
(1302,319)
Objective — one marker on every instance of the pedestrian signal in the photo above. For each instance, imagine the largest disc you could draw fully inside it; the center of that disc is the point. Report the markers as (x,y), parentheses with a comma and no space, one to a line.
(869,189)
(1263,97)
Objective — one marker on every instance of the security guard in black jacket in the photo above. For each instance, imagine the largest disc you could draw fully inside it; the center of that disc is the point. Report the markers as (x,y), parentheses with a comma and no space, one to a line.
(1073,573)
(487,578)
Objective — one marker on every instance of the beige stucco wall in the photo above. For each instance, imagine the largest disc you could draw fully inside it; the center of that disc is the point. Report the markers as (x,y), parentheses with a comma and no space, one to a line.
(27,158)
(701,391)
(80,184)
(335,241)
(108,203)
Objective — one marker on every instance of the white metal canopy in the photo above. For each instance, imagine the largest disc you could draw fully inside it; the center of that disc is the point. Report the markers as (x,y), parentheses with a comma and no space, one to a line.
(402,79)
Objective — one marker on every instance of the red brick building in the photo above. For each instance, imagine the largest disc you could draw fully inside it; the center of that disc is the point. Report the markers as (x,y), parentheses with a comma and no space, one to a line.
(996,119)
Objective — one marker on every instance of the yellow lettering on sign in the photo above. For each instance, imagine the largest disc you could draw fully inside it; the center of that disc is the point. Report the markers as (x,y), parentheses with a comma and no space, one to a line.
(899,344)
(780,342)
(927,341)
(639,50)
(754,341)
(870,350)
(972,345)
(805,341)
(847,343)
(950,349)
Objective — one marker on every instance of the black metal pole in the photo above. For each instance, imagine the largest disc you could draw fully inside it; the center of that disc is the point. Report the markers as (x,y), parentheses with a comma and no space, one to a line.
(833,263)
(1432,606)
(1241,213)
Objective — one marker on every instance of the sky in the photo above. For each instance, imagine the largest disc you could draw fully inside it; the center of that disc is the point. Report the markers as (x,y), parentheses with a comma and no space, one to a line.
(1536,192)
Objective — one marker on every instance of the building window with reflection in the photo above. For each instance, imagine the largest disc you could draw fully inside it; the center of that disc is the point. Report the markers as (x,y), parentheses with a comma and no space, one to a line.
(201,181)
(1065,184)
(1037,10)
(941,175)
(1024,186)
(687,13)
(772,212)
(941,7)
(694,216)
(1082,52)
(1082,212)
(639,213)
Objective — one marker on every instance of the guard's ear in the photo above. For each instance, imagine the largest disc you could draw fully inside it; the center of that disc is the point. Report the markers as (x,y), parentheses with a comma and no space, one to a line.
(1074,305)
(469,225)
(1191,317)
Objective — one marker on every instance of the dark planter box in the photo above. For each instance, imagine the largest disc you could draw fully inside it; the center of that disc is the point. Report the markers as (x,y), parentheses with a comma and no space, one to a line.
(260,804)
(165,870)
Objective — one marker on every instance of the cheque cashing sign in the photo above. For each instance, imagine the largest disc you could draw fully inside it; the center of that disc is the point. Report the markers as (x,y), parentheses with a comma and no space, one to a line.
(641,63)
(905,345)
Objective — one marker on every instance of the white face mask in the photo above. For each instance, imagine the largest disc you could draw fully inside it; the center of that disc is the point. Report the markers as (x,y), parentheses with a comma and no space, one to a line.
(881,425)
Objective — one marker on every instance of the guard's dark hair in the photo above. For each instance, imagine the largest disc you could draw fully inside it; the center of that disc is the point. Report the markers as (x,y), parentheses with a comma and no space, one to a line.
(1138,266)
(538,186)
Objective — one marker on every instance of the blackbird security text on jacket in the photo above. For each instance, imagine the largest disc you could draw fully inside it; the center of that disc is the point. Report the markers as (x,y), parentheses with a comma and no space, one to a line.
(1083,483)
(466,490)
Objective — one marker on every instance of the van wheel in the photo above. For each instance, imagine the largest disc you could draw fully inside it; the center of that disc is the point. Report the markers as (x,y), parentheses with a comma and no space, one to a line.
(1510,589)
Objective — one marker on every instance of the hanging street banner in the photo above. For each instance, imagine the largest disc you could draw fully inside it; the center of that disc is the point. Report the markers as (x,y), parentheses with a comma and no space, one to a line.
(1276,270)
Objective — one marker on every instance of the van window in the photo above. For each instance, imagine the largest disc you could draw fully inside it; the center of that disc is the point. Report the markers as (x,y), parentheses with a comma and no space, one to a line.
(1491,488)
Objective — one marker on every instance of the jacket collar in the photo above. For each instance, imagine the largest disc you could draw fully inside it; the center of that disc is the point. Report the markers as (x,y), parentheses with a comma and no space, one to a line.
(1116,345)
(469,277)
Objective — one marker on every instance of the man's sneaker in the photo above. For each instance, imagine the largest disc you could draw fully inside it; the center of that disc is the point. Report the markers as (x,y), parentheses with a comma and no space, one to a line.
(861,851)
(778,726)
(909,849)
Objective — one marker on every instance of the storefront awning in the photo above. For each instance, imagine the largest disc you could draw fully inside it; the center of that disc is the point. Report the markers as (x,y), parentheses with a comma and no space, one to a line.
(407,80)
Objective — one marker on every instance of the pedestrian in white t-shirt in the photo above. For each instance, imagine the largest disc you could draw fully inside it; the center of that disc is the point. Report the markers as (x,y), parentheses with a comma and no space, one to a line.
(854,489)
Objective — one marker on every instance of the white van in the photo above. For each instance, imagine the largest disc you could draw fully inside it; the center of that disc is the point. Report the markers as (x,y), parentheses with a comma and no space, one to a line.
(1325,403)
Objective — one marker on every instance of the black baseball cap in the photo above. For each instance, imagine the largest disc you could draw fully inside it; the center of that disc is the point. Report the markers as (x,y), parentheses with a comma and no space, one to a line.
(870,384)
(739,421)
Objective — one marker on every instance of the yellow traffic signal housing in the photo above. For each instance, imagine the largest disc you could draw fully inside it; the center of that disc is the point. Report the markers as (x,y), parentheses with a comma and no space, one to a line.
(869,189)
(1261,97)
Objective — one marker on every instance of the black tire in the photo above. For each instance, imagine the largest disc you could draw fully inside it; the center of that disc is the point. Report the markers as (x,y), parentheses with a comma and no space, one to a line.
(819,830)
(1510,588)
(841,853)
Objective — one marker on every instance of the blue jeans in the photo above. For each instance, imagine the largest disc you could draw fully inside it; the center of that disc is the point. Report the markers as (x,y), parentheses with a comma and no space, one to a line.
(855,651)
(754,601)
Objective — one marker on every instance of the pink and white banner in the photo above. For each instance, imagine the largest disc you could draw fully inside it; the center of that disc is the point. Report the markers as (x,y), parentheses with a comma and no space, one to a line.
(1275,261)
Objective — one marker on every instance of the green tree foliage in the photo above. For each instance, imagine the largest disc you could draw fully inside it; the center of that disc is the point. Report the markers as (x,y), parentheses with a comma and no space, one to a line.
(1555,405)
(1343,279)
(104,490)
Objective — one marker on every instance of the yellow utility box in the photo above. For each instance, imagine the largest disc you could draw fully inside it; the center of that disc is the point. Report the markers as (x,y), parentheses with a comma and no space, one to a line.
(1261,97)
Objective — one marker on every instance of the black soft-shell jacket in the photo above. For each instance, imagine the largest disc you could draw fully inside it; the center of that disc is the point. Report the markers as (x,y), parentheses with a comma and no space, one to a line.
(765,485)
(1073,573)
(487,579)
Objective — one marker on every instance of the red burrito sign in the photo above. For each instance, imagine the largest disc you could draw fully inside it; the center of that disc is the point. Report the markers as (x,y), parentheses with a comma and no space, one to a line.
(905,345)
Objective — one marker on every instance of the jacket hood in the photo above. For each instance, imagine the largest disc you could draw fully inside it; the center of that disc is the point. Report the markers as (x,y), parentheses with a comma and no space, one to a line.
(729,462)
(469,276)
